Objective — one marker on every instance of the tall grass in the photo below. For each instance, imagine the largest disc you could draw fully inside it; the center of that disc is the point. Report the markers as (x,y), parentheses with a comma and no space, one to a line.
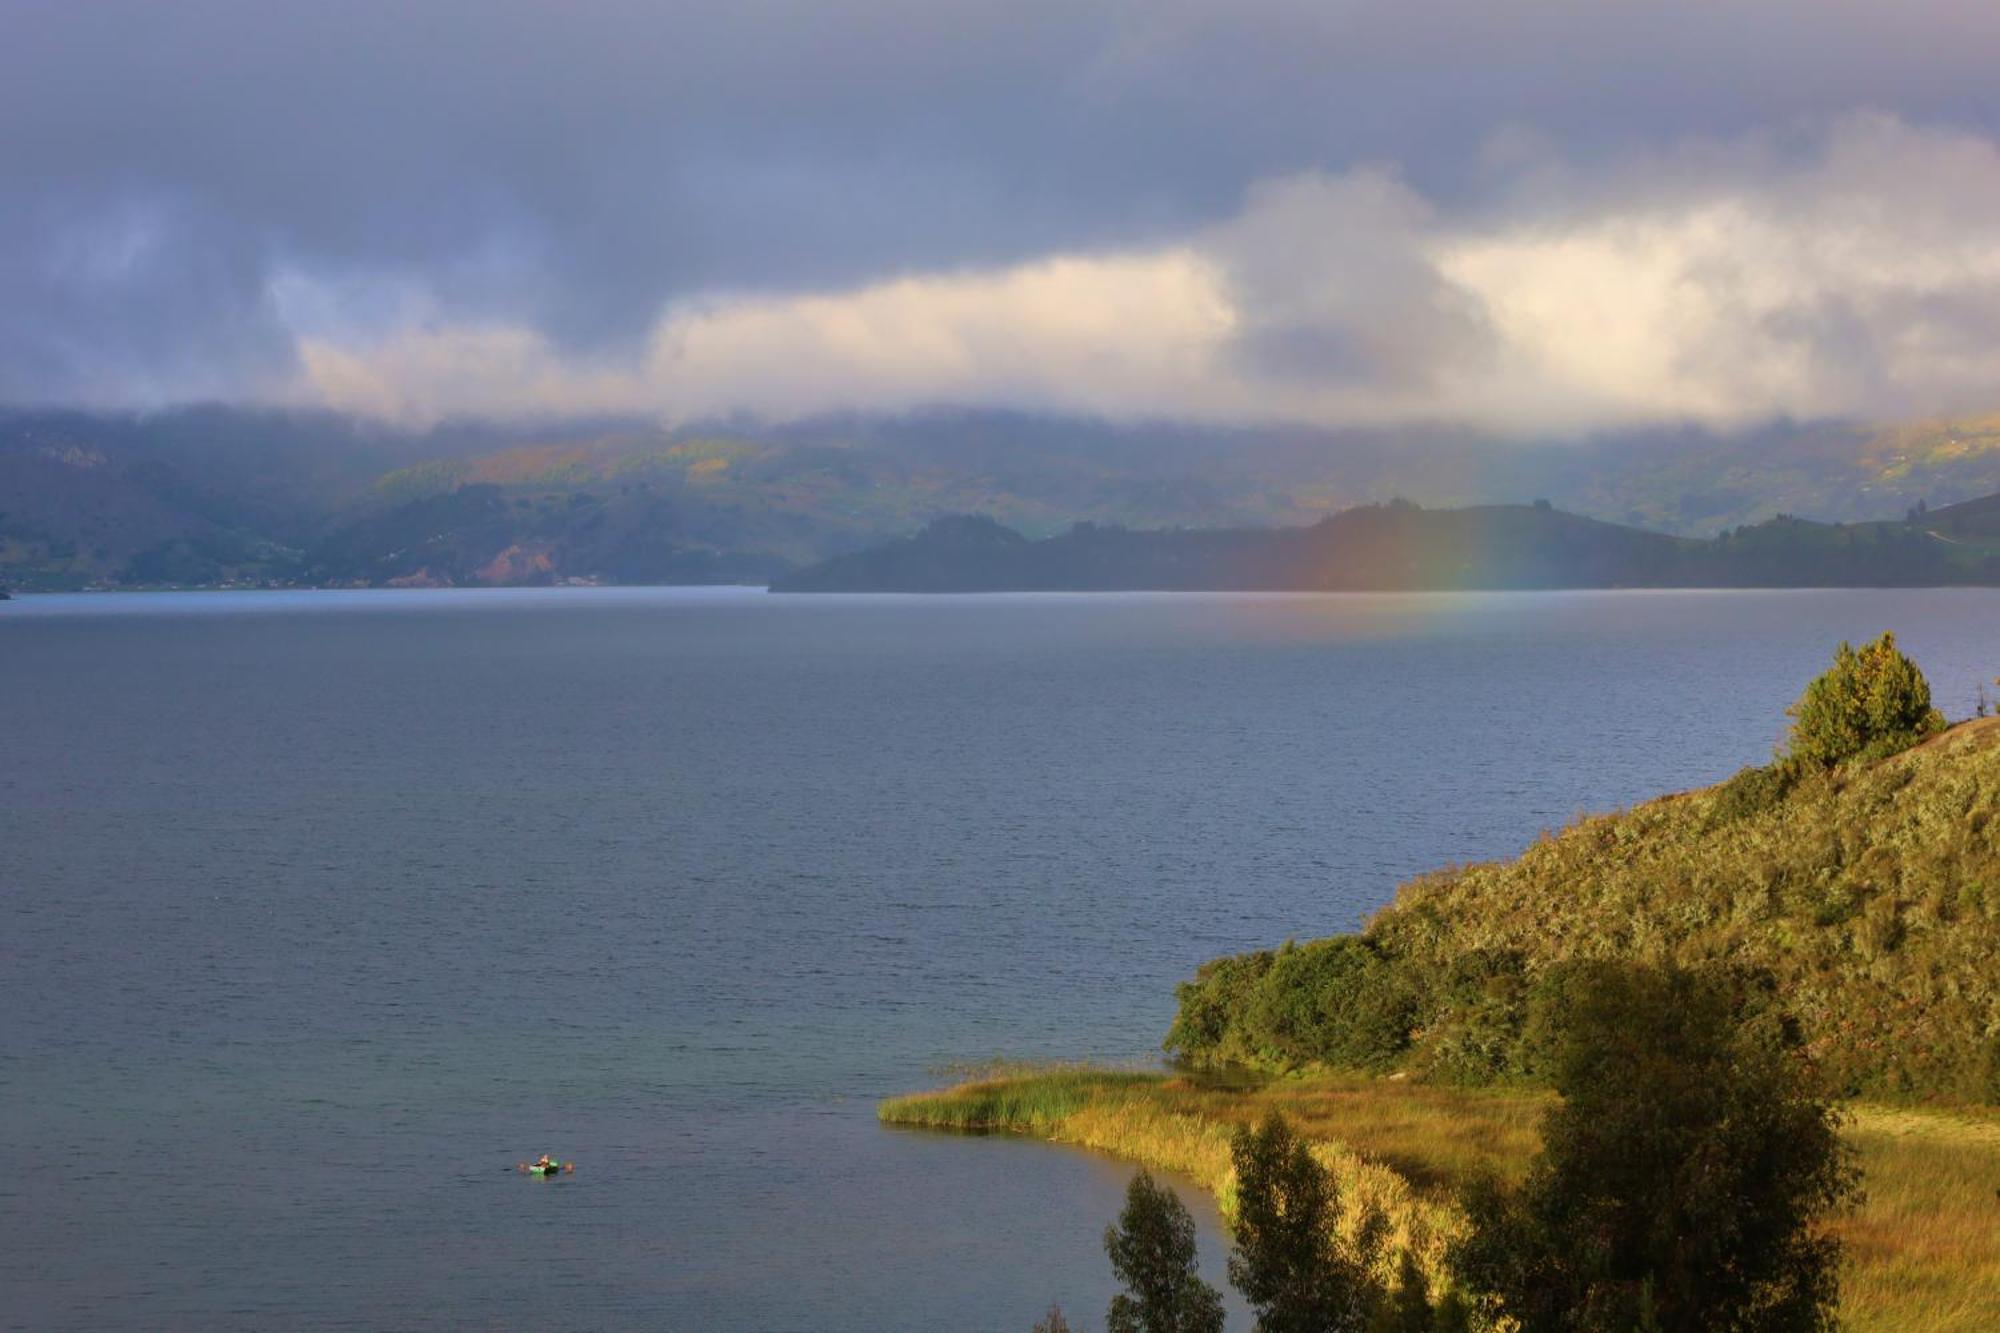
(1021,1100)
(1923,1249)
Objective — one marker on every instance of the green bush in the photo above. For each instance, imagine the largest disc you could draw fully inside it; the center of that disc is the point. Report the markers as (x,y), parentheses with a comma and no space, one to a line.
(1754,790)
(1208,1027)
(1335,1001)
(1869,704)
(1472,1009)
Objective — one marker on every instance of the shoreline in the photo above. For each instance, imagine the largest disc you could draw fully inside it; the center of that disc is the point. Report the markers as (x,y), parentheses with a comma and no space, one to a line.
(1922,1249)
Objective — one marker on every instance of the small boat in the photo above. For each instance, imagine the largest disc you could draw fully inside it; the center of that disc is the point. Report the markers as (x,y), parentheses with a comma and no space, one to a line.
(545,1168)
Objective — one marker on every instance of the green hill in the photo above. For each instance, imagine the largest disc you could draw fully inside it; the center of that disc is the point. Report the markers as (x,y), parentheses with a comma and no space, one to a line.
(220,495)
(1865,903)
(1403,546)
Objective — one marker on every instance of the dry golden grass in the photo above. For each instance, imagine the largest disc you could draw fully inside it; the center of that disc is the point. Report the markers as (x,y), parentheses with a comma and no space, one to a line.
(1923,1250)
(1393,1146)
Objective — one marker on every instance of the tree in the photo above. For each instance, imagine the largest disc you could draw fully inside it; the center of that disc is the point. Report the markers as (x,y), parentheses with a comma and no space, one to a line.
(1052,1322)
(1684,1178)
(1873,701)
(1152,1252)
(1289,1263)
(1407,1309)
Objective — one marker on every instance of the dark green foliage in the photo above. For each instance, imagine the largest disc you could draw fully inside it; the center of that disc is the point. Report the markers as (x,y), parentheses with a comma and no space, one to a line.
(1292,1268)
(1869,704)
(1152,1252)
(1208,1024)
(1471,1011)
(1754,790)
(1335,1000)
(1345,1001)
(1985,1076)
(1683,1177)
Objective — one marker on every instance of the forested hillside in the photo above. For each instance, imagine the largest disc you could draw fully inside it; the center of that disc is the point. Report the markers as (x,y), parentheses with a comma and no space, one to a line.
(213,496)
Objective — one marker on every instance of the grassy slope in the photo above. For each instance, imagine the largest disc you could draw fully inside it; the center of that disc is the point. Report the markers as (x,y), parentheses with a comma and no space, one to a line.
(1923,1250)
(1871,896)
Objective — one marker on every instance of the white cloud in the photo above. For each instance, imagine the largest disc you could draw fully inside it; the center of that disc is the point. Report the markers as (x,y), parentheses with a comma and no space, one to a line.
(1855,271)
(1102,333)
(1096,334)
(1864,280)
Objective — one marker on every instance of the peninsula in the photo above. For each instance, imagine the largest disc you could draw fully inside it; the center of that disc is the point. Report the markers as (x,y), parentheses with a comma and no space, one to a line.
(1854,901)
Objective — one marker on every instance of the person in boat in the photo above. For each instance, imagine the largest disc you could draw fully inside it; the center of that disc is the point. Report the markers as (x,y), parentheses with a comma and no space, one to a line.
(545,1162)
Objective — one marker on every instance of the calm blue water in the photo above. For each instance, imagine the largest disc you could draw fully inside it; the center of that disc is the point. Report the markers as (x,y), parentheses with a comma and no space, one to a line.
(319,910)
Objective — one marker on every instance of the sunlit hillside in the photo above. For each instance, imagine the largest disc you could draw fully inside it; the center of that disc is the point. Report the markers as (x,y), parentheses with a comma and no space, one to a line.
(1867,899)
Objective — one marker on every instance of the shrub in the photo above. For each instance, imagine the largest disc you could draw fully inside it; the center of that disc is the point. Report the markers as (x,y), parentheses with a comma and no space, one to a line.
(1337,1001)
(1985,1076)
(1753,791)
(1208,1026)
(1473,1007)
(1871,702)
(1407,1309)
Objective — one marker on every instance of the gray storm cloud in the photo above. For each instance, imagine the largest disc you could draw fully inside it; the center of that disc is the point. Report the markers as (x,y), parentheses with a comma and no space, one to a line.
(1532,214)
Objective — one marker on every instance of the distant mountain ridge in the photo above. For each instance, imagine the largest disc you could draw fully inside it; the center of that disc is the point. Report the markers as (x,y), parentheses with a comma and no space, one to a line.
(1404,547)
(219,496)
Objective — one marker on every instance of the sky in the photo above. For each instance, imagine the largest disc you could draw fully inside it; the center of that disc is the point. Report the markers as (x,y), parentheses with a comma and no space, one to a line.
(1530,217)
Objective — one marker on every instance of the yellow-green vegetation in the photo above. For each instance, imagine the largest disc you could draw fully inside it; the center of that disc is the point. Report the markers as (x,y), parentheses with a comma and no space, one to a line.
(1863,899)
(1398,1147)
(1923,1249)
(1922,447)
(1593,1082)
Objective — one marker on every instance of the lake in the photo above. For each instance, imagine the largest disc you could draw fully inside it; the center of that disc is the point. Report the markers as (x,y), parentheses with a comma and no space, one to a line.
(323,909)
